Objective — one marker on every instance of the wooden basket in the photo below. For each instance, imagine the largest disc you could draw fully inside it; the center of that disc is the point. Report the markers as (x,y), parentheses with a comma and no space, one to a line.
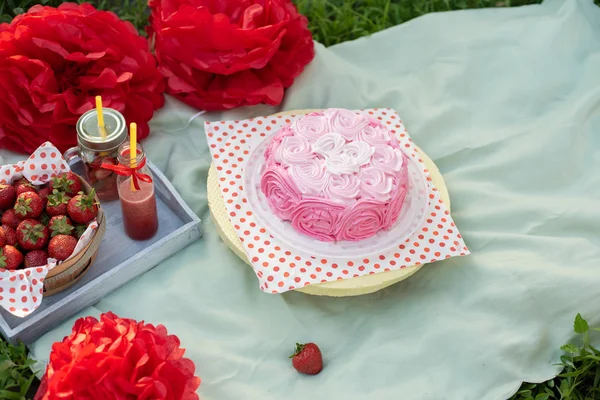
(69,272)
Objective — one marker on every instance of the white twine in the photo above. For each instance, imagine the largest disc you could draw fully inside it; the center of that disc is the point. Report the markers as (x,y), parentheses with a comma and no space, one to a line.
(192,118)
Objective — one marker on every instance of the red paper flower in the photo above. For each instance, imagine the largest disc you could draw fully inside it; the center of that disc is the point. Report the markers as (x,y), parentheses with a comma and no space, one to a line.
(54,61)
(221,54)
(118,359)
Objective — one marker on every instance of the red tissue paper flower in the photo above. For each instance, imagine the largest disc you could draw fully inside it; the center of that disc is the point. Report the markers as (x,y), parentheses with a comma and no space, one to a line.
(54,61)
(118,359)
(221,54)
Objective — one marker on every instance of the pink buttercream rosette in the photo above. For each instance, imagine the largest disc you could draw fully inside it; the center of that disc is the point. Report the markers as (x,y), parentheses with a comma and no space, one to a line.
(21,290)
(336,175)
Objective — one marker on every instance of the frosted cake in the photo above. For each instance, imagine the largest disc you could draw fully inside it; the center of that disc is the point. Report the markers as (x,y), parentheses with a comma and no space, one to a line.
(335,176)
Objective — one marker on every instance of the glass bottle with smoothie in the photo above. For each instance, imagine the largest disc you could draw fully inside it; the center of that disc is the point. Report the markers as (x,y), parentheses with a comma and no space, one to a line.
(138,206)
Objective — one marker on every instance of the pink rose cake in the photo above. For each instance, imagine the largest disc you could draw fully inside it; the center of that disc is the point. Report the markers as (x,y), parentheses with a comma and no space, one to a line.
(335,175)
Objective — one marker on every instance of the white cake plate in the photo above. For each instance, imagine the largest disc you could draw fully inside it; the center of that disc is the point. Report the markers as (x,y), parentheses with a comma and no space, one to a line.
(347,287)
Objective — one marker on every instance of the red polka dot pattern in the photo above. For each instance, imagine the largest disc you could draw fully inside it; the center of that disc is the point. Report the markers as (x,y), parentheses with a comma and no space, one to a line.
(280,269)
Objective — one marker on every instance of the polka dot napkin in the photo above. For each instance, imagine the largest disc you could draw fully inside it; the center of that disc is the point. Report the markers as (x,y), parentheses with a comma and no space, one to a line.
(280,269)
(21,290)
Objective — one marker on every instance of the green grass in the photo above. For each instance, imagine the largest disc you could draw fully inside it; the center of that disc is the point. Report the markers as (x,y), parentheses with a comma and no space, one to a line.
(332,22)
(336,21)
(17,381)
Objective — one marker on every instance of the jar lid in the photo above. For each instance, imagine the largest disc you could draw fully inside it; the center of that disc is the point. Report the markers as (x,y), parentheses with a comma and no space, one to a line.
(88,132)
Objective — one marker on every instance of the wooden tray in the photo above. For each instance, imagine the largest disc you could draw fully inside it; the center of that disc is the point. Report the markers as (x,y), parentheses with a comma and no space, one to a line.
(347,287)
(119,260)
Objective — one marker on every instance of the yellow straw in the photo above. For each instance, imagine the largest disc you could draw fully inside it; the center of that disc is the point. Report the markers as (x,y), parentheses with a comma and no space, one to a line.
(100,116)
(133,149)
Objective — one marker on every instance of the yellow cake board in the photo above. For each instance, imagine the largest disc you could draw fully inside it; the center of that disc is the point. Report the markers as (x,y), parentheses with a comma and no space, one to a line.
(347,287)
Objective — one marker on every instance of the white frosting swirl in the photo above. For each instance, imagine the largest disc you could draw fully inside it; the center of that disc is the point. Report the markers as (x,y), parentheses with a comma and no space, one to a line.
(311,126)
(310,177)
(345,122)
(329,144)
(375,183)
(349,160)
(294,150)
(388,159)
(343,188)
(359,152)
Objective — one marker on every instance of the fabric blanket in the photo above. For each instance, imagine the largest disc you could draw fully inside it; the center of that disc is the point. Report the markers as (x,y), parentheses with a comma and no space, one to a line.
(507,103)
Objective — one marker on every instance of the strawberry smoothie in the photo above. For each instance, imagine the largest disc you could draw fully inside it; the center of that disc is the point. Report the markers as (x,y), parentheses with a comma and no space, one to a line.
(139,210)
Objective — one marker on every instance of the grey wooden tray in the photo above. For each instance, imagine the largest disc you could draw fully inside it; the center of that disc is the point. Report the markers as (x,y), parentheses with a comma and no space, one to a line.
(119,260)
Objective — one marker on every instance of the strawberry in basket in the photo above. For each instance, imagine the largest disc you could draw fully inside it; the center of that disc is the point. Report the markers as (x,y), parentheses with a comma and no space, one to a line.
(36,213)
(32,235)
(29,205)
(46,217)
(29,225)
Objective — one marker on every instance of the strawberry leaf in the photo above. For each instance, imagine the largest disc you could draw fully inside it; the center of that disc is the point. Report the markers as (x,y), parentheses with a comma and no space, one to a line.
(299,348)
(60,226)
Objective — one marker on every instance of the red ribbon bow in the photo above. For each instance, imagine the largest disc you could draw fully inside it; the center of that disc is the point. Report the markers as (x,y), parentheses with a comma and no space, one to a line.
(130,171)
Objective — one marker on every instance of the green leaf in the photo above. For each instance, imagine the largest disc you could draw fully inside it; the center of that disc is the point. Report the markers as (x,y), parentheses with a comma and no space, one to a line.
(591,357)
(564,388)
(595,350)
(580,325)
(542,396)
(8,395)
(18,11)
(5,363)
(569,348)
(566,361)
(572,374)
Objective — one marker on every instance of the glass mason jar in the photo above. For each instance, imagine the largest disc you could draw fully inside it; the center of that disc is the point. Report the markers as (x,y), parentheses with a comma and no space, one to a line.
(93,149)
(140,216)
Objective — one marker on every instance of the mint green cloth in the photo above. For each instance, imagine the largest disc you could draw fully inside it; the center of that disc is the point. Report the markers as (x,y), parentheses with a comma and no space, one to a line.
(507,103)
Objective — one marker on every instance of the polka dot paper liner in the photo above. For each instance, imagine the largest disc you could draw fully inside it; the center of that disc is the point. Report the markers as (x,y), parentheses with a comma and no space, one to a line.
(21,291)
(280,269)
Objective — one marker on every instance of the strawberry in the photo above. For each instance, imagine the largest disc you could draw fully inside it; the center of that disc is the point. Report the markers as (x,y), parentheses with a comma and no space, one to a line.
(23,186)
(79,229)
(307,359)
(102,174)
(2,238)
(32,234)
(66,182)
(28,205)
(8,194)
(10,258)
(10,235)
(57,203)
(60,225)
(44,193)
(83,208)
(61,246)
(96,162)
(36,258)
(10,218)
